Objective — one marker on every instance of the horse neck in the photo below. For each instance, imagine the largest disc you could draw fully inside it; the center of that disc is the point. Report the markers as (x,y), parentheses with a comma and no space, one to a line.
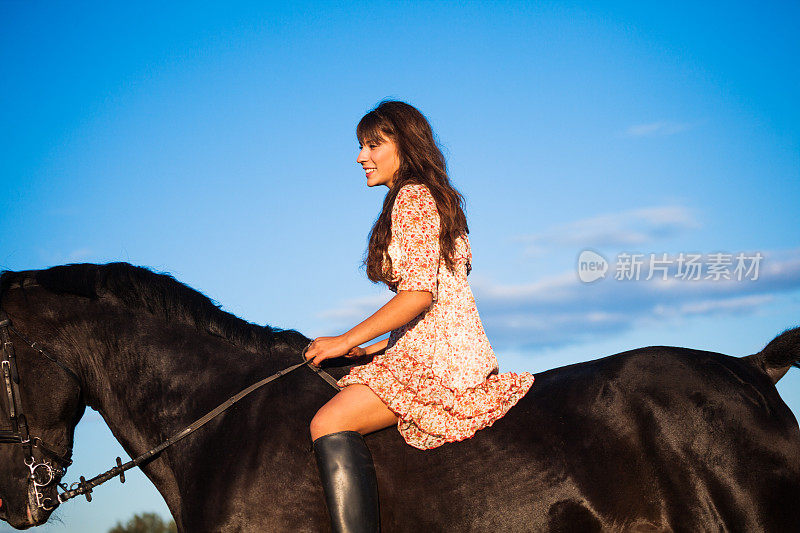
(147,377)
(155,378)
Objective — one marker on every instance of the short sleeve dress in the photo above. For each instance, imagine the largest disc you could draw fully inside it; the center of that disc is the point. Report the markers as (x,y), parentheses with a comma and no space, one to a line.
(438,374)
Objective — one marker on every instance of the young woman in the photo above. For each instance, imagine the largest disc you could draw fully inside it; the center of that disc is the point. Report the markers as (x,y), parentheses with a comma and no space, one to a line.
(436,376)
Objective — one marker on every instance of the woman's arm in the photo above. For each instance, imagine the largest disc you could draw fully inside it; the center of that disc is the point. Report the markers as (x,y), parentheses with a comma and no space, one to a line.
(400,310)
(416,227)
(377,348)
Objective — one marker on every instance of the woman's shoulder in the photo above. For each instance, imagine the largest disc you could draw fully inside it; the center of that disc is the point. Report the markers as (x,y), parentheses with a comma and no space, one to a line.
(413,189)
(414,201)
(414,194)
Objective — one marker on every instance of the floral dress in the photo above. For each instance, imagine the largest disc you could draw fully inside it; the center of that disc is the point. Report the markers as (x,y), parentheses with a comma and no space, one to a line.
(438,374)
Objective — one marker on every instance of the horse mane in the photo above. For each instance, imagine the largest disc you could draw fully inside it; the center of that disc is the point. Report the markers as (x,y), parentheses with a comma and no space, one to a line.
(160,294)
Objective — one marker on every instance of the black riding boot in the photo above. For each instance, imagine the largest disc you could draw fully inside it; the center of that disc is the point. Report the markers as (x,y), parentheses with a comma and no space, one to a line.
(348,478)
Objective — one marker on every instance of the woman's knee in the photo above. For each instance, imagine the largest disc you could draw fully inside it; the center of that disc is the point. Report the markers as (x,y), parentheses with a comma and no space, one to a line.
(356,408)
(323,423)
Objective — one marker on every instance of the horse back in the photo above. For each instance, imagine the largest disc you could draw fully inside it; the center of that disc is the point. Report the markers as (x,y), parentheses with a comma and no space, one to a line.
(653,439)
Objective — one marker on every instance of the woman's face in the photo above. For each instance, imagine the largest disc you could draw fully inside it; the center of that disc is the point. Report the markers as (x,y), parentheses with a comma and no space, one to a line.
(380,161)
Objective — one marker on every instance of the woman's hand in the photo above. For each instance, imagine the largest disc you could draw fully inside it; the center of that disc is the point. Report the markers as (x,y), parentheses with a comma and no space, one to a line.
(323,348)
(356,351)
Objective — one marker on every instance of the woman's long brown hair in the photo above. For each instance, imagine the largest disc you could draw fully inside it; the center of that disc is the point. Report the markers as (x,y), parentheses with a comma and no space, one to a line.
(421,162)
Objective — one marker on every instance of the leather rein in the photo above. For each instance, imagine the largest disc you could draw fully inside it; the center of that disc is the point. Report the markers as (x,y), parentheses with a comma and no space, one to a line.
(48,470)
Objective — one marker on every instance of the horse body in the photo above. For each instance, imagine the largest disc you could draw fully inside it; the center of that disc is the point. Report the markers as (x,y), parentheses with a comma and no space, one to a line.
(637,441)
(654,439)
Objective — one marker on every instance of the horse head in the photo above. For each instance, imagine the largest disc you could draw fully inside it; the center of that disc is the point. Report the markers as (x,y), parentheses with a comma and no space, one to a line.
(119,339)
(40,405)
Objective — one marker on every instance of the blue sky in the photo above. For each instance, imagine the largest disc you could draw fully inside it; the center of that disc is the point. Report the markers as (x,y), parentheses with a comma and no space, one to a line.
(215,141)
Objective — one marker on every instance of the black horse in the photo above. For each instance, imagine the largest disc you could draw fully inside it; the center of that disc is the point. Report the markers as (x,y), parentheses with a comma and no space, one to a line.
(653,439)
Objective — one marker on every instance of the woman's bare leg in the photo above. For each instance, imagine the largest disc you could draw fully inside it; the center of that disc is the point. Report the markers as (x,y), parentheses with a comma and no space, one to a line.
(354,408)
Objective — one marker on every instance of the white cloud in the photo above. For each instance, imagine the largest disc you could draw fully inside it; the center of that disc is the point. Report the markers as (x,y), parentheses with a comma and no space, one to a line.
(744,304)
(80,254)
(560,310)
(634,227)
(661,127)
(350,313)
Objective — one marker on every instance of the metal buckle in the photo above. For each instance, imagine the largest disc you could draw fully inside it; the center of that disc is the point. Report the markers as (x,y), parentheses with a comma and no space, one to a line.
(41,475)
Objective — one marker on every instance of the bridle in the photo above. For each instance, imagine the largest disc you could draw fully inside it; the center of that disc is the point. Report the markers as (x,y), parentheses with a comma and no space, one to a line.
(45,472)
